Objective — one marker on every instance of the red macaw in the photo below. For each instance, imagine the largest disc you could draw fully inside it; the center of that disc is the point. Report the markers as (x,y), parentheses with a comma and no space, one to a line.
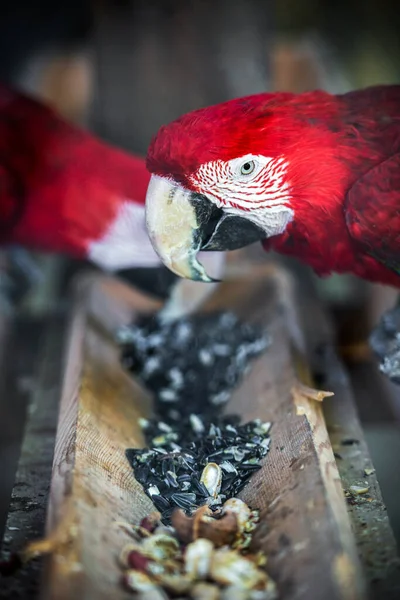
(313,175)
(63,190)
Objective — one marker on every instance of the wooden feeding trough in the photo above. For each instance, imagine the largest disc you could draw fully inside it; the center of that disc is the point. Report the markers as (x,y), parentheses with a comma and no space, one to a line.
(312,536)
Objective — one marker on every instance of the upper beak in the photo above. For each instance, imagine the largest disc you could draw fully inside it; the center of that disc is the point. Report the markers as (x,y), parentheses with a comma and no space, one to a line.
(180,223)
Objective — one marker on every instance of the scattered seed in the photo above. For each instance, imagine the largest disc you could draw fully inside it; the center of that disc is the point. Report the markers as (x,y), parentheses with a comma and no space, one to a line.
(240,509)
(250,466)
(201,557)
(198,557)
(138,581)
(160,503)
(230,568)
(168,396)
(172,480)
(198,358)
(358,489)
(160,547)
(185,501)
(153,490)
(199,487)
(221,398)
(164,427)
(205,356)
(186,461)
(176,377)
(205,591)
(183,477)
(136,560)
(228,467)
(192,366)
(196,423)
(211,478)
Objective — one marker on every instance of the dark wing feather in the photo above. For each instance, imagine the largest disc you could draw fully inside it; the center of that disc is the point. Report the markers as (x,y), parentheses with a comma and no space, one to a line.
(373,212)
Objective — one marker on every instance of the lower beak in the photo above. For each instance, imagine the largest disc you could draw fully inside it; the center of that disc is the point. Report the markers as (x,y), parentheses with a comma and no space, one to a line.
(180,223)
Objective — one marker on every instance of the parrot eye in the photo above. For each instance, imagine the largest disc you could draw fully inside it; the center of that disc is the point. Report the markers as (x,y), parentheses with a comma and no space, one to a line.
(248,167)
(245,168)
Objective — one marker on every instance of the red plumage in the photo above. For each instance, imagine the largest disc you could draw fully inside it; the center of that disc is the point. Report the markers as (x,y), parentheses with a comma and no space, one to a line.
(343,170)
(61,188)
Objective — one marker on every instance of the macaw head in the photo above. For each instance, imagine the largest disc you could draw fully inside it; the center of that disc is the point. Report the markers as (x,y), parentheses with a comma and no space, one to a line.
(229,175)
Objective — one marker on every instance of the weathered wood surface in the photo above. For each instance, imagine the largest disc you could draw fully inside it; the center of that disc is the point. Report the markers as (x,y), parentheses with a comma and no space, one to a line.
(28,505)
(298,489)
(17,379)
(375,541)
(92,489)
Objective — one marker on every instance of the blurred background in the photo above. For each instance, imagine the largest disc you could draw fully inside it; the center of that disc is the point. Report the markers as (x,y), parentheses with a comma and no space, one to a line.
(122,69)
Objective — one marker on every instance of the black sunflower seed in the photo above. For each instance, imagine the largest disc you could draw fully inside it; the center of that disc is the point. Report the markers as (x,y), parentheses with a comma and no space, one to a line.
(171,479)
(240,486)
(167,514)
(161,356)
(185,501)
(219,453)
(228,467)
(199,487)
(160,502)
(142,474)
(228,481)
(185,463)
(249,467)
(187,365)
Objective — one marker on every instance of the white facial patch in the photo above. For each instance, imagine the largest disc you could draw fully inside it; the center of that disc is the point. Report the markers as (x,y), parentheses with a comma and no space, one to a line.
(126,244)
(250,186)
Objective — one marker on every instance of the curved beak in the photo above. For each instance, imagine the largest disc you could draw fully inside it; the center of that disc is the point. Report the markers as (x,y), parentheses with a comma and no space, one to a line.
(180,223)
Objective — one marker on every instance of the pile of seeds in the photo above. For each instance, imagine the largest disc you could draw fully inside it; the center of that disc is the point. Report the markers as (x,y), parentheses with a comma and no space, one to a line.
(198,463)
(204,557)
(192,366)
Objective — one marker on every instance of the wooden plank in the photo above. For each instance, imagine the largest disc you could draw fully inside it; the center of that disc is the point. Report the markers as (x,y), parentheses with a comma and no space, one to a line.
(298,490)
(27,511)
(16,375)
(375,541)
(92,488)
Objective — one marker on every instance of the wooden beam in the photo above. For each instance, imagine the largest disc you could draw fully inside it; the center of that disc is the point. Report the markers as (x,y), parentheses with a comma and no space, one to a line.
(92,489)
(376,544)
(29,499)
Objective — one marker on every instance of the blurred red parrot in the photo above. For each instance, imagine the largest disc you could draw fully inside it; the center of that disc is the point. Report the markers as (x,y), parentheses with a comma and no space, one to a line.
(63,190)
